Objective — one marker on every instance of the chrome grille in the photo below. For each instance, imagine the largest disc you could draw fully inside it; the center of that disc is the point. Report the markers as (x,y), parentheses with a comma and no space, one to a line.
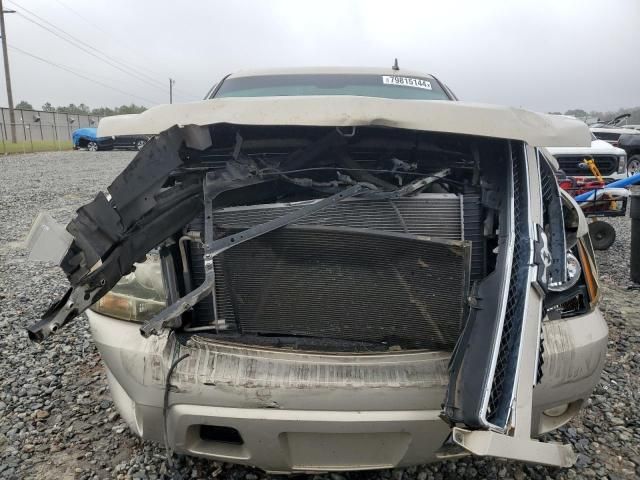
(504,374)
(570,164)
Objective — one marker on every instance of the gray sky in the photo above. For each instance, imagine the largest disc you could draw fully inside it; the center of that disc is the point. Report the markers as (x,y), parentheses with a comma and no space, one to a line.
(544,55)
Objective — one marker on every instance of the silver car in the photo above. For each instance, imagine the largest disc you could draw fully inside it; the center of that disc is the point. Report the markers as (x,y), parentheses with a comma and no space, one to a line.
(338,269)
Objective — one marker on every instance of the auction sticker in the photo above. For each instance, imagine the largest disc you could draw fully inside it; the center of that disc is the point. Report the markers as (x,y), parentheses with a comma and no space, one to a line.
(406,82)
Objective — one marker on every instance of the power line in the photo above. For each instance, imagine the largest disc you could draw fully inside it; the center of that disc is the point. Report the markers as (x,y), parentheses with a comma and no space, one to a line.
(77,43)
(137,73)
(81,75)
(98,27)
(83,45)
(123,62)
(90,53)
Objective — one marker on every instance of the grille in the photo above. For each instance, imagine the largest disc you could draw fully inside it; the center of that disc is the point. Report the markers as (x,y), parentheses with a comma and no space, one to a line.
(349,284)
(503,380)
(569,164)
(553,221)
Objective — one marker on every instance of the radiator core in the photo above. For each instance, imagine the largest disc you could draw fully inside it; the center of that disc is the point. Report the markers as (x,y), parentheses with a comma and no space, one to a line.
(393,272)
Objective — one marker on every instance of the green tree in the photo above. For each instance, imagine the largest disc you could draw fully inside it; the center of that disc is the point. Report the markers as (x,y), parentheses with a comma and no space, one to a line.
(23,105)
(127,109)
(82,109)
(103,111)
(71,108)
(577,112)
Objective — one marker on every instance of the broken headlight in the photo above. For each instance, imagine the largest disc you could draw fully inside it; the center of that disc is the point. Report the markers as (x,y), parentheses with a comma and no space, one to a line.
(137,296)
(580,293)
(573,274)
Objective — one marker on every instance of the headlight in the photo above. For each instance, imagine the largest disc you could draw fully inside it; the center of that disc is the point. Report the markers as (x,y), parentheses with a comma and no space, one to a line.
(587,259)
(622,164)
(573,275)
(137,296)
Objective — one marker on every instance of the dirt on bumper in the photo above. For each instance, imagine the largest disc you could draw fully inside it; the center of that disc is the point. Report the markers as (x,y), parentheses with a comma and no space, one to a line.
(277,399)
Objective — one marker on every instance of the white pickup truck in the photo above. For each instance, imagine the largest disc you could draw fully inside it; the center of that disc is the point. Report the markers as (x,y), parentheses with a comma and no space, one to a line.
(611,161)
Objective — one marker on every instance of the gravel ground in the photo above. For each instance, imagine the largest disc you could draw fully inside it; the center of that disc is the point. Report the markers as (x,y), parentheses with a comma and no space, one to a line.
(56,415)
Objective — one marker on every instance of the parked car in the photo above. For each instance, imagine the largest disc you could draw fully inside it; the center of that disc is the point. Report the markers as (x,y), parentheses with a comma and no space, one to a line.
(88,138)
(345,270)
(612,134)
(631,145)
(611,161)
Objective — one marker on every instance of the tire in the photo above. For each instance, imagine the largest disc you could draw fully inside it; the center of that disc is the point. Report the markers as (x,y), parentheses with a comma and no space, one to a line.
(602,235)
(140,143)
(92,146)
(633,165)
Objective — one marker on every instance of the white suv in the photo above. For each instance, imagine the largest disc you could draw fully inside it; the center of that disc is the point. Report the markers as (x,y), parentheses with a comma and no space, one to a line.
(345,270)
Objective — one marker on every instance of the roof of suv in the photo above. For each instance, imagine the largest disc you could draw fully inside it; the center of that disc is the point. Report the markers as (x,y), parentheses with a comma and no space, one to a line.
(328,70)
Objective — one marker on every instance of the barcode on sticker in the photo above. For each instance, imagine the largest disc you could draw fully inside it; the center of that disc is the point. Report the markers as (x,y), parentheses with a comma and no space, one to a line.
(406,82)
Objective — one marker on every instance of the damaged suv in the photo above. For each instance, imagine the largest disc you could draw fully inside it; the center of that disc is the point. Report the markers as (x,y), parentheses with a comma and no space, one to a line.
(338,269)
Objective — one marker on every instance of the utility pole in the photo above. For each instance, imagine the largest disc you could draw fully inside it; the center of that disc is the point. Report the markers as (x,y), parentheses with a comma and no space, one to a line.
(172,82)
(7,75)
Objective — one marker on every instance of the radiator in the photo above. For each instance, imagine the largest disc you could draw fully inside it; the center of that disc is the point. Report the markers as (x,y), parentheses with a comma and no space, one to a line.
(362,270)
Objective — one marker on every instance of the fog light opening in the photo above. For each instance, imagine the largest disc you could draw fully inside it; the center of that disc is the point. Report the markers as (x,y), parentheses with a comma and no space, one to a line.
(216,433)
(557,411)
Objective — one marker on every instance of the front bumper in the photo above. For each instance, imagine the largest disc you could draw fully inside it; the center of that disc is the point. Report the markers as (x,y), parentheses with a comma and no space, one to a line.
(318,412)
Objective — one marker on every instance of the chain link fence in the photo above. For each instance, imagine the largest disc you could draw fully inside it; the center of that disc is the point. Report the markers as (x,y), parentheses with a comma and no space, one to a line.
(37,131)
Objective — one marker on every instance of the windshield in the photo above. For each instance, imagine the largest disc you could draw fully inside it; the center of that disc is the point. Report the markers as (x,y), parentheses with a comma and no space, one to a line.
(383,86)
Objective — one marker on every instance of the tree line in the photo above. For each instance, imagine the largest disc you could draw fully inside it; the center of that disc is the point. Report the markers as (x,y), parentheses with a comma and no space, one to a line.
(83,109)
(592,115)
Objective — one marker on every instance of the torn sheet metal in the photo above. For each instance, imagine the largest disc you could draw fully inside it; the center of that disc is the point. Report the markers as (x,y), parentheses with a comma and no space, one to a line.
(110,234)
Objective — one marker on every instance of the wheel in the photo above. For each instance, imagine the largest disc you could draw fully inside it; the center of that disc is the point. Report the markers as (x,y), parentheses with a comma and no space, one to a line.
(633,165)
(140,143)
(602,235)
(92,146)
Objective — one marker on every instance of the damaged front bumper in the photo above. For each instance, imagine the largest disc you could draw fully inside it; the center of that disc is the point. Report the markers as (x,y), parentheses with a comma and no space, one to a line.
(487,382)
(307,412)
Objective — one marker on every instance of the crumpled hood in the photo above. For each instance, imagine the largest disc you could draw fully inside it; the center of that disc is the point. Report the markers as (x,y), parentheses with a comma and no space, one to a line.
(346,111)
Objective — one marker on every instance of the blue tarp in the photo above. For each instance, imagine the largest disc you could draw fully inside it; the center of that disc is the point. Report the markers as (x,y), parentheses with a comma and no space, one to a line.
(90,133)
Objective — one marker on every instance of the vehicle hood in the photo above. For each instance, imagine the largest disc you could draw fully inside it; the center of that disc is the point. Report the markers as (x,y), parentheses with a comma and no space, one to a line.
(598,147)
(348,111)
